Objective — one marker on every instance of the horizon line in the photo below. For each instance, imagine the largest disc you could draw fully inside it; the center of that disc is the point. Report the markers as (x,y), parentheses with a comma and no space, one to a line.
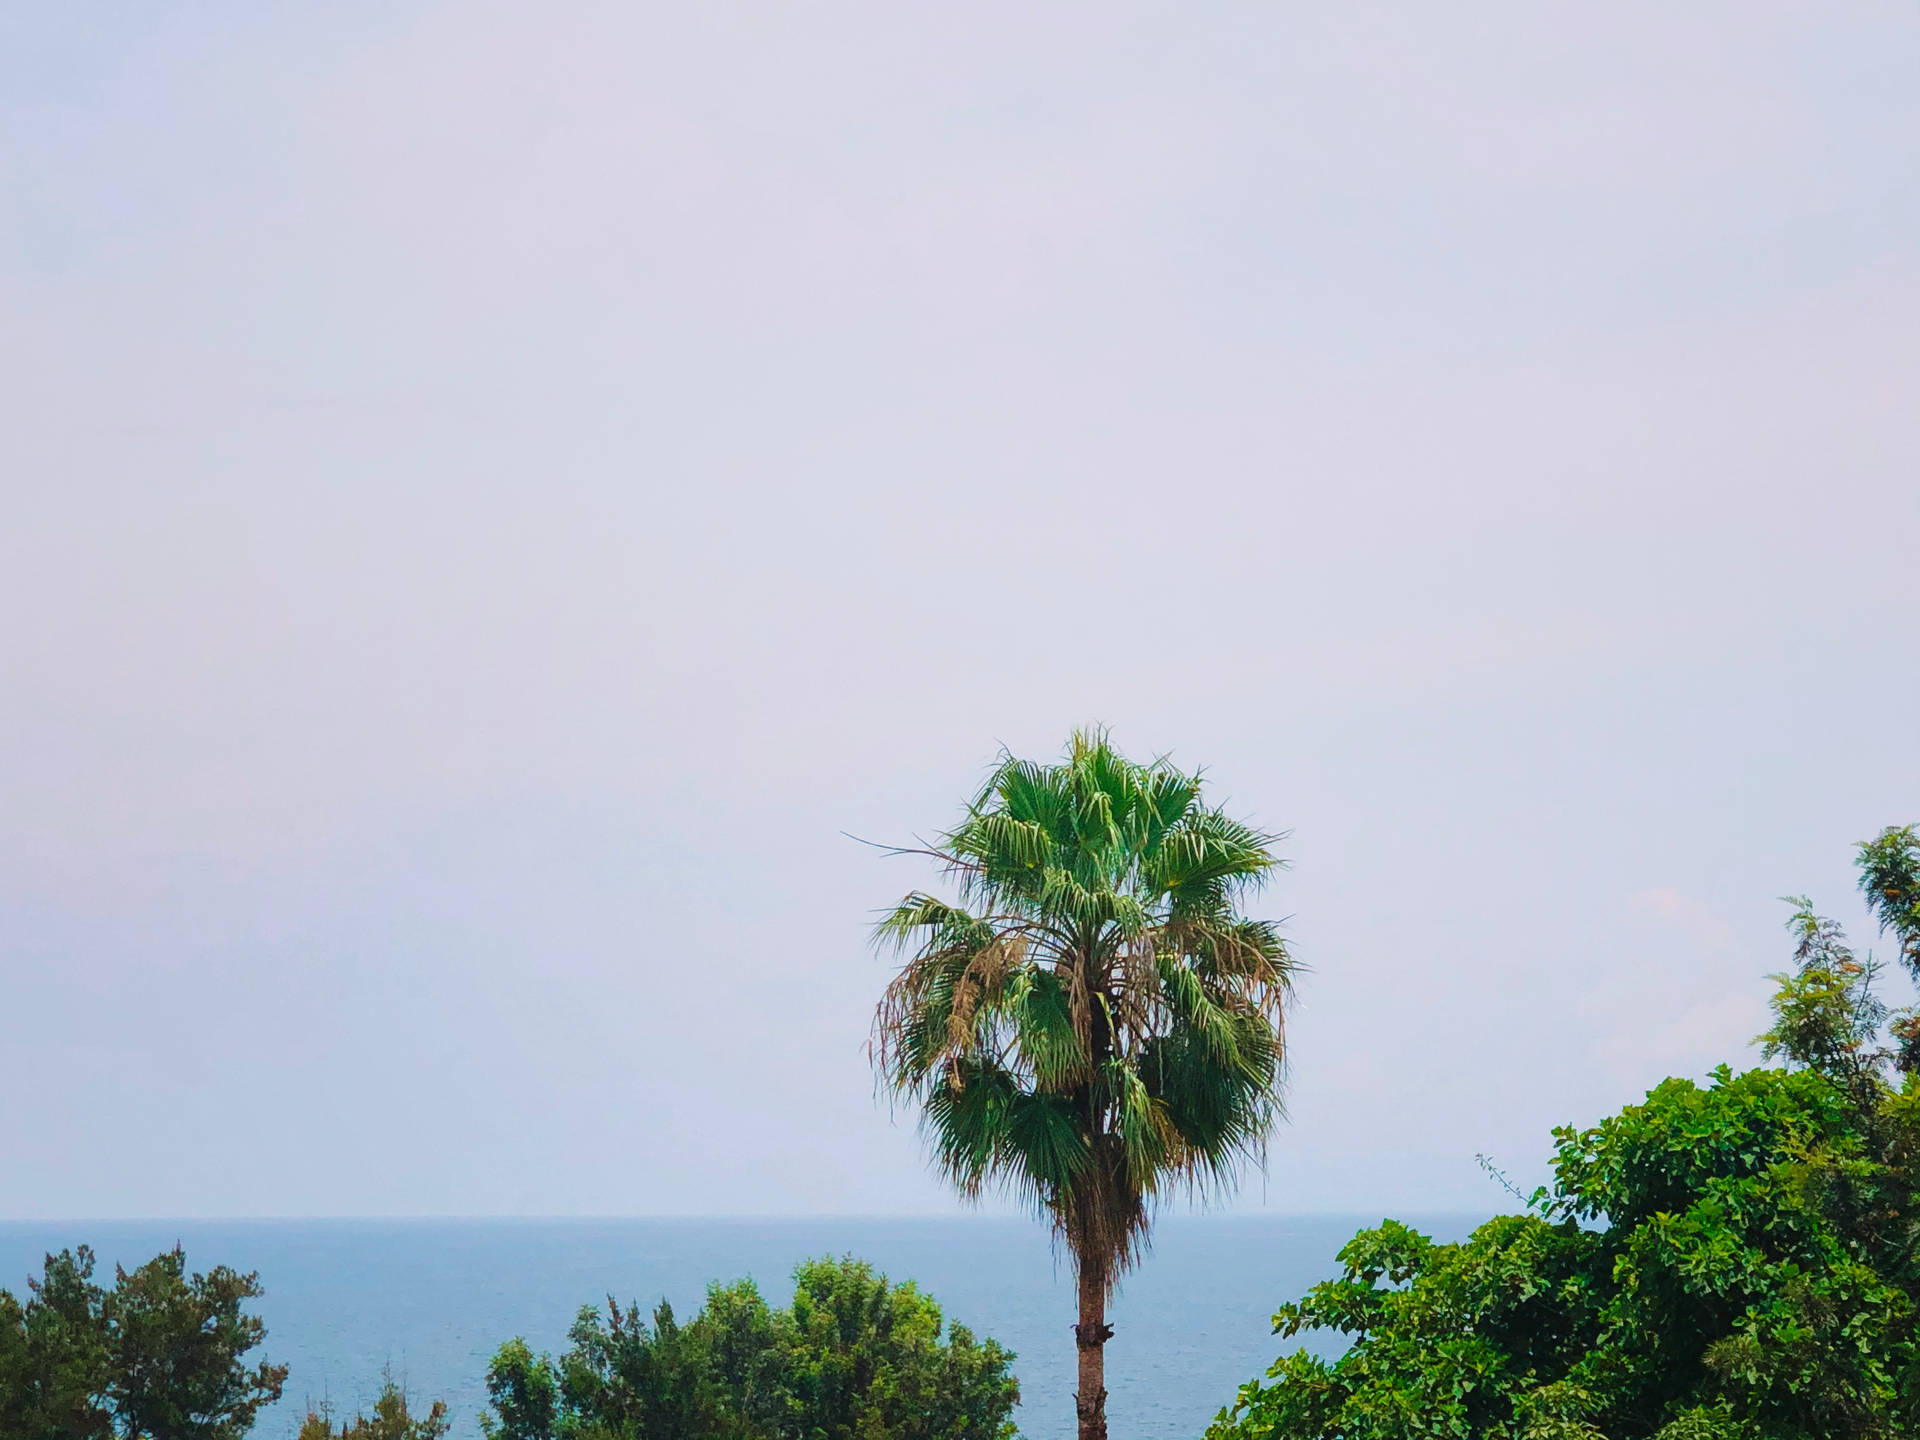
(681,1217)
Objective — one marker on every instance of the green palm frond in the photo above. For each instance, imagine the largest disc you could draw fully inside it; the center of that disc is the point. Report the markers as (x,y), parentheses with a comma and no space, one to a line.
(1045,1143)
(1095,1019)
(965,1116)
(1045,1037)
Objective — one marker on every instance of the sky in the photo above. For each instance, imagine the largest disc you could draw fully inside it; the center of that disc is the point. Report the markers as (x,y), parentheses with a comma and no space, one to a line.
(496,495)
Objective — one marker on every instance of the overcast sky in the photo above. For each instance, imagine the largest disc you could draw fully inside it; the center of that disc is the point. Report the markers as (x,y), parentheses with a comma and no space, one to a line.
(493,492)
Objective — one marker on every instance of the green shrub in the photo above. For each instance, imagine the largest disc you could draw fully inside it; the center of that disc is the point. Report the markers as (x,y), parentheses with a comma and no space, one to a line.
(853,1358)
(1716,1257)
(1735,1261)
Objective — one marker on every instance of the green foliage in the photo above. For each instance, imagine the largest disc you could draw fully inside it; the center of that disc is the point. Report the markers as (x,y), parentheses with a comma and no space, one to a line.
(854,1358)
(524,1392)
(1890,879)
(54,1355)
(391,1419)
(156,1357)
(1825,1014)
(1734,1261)
(1714,1258)
(177,1342)
(1094,1018)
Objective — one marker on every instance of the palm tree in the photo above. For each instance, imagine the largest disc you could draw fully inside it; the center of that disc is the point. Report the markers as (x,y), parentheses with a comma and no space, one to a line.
(1093,1022)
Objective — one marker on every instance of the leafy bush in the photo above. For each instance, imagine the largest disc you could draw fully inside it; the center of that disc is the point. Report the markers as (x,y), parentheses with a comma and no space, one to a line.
(853,1358)
(1735,1261)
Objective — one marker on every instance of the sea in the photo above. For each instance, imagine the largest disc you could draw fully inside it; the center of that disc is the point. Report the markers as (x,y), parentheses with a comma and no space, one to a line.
(430,1300)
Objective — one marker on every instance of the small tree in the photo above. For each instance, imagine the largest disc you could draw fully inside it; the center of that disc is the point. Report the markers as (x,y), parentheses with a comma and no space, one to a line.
(177,1341)
(157,1357)
(854,1358)
(391,1419)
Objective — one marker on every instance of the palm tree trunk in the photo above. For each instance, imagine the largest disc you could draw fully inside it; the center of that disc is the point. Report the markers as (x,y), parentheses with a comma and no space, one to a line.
(1091,1335)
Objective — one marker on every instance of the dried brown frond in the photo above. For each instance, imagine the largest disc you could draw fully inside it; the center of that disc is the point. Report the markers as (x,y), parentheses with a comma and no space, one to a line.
(1137,998)
(982,983)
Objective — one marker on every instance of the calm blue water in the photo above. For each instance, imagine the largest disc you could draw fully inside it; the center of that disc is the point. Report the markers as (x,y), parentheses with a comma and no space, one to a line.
(433,1298)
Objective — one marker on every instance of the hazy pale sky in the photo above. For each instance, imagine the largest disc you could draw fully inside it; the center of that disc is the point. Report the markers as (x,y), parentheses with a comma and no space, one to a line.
(492,492)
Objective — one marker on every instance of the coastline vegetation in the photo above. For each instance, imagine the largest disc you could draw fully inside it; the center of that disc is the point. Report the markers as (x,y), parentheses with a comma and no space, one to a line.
(392,1419)
(160,1356)
(1095,1022)
(155,1356)
(1732,1261)
(854,1357)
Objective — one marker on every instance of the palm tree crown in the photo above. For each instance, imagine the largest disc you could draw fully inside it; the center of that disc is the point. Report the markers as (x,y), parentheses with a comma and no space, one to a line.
(1093,1020)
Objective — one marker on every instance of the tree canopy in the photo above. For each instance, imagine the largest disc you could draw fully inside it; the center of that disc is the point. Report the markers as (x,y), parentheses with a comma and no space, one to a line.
(853,1358)
(158,1356)
(1738,1260)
